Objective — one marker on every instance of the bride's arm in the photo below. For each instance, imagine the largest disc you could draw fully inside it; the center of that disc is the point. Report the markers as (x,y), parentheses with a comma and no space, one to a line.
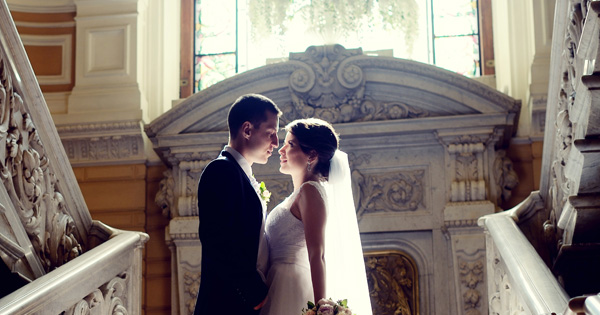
(314,216)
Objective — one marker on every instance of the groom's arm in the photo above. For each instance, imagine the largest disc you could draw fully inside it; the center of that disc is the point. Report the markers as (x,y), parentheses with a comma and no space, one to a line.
(220,202)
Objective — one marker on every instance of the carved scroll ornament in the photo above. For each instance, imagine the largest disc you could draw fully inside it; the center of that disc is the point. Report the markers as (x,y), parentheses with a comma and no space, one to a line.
(392,192)
(109,299)
(30,182)
(330,87)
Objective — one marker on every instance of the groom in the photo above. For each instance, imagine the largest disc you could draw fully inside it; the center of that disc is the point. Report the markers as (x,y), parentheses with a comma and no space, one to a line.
(234,251)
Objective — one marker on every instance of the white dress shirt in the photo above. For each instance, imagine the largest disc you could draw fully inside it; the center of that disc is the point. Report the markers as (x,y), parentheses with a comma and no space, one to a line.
(262,260)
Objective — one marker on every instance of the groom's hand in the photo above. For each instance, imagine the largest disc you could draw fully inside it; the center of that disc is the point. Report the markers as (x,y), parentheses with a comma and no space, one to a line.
(259,306)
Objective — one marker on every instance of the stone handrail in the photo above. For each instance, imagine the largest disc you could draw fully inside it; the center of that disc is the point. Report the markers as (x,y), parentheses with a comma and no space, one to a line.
(104,280)
(519,280)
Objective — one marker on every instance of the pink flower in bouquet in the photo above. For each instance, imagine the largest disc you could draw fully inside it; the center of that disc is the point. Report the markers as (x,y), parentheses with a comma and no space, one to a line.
(326,309)
(311,312)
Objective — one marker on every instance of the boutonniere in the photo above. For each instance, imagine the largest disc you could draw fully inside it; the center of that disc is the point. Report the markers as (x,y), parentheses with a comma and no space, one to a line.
(264,193)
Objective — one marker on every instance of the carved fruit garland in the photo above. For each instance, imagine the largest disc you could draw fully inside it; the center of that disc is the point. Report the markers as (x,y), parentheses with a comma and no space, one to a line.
(30,182)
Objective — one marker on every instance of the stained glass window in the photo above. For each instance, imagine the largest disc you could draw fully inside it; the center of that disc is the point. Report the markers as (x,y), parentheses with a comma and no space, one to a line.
(456,36)
(215,42)
(440,32)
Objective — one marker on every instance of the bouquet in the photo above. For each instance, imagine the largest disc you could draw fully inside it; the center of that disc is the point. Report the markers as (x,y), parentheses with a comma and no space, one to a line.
(327,307)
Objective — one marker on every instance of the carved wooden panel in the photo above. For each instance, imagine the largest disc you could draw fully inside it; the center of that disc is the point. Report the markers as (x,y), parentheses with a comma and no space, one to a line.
(393,280)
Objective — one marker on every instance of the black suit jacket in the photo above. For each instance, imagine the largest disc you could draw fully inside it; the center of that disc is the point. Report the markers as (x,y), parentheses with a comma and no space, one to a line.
(230,214)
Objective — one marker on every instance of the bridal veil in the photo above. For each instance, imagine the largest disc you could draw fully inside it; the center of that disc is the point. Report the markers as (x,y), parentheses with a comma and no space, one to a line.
(345,267)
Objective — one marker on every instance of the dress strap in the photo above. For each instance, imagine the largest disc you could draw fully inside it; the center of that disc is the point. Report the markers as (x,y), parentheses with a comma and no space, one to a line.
(319,186)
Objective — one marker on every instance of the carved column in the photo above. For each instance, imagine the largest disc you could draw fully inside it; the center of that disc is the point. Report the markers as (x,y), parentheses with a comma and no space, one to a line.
(178,198)
(477,176)
(468,254)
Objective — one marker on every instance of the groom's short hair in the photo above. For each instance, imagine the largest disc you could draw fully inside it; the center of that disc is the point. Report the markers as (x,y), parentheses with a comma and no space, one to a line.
(252,108)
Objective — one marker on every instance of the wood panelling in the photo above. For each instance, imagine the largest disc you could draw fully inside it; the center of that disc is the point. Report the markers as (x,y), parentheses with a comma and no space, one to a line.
(527,162)
(47,60)
(122,196)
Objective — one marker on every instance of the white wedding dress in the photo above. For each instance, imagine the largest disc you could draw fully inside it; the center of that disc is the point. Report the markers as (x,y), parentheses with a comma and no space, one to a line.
(289,280)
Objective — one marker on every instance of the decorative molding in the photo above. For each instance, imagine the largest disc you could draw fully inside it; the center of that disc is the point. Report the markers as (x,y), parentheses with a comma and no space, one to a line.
(52,25)
(468,167)
(30,181)
(109,299)
(103,143)
(65,42)
(389,192)
(117,127)
(41,6)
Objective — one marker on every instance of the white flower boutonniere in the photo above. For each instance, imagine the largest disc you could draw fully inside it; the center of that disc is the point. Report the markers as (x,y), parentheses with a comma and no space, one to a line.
(264,193)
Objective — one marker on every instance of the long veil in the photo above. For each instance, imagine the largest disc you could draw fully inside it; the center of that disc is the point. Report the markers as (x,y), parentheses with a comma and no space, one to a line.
(345,267)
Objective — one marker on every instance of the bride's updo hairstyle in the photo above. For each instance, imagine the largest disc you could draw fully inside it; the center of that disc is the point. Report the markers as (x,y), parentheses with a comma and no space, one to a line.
(318,135)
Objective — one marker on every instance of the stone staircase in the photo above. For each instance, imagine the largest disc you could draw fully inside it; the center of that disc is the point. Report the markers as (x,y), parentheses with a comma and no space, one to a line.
(59,260)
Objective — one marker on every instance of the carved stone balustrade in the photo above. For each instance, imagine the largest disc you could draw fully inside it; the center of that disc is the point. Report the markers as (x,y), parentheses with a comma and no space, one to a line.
(557,227)
(519,281)
(426,152)
(73,265)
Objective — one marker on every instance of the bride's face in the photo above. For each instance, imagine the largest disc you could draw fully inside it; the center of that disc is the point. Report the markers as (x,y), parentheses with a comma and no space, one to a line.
(292,158)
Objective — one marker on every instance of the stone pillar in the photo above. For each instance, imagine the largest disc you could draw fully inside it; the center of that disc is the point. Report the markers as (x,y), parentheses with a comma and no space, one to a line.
(109,61)
(178,198)
(467,243)
(477,177)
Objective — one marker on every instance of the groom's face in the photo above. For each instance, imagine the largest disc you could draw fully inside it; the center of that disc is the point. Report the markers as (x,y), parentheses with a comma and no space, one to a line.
(263,140)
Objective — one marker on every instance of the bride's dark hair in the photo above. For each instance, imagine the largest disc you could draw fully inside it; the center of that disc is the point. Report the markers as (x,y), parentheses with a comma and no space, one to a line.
(318,135)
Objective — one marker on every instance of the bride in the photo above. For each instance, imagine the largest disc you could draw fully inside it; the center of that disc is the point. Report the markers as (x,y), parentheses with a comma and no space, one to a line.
(314,244)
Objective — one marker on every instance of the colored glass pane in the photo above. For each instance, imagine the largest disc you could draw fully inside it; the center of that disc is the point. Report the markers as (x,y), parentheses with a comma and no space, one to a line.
(215,26)
(455,17)
(212,69)
(458,54)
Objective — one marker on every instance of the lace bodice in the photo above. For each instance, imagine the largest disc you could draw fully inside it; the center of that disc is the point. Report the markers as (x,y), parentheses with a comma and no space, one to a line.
(285,233)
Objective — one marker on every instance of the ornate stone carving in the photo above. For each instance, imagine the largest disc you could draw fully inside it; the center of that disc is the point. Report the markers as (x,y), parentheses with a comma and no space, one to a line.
(165,197)
(280,188)
(389,192)
(188,177)
(30,182)
(393,283)
(102,142)
(358,160)
(471,275)
(191,283)
(562,183)
(468,163)
(109,299)
(502,298)
(505,175)
(329,86)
